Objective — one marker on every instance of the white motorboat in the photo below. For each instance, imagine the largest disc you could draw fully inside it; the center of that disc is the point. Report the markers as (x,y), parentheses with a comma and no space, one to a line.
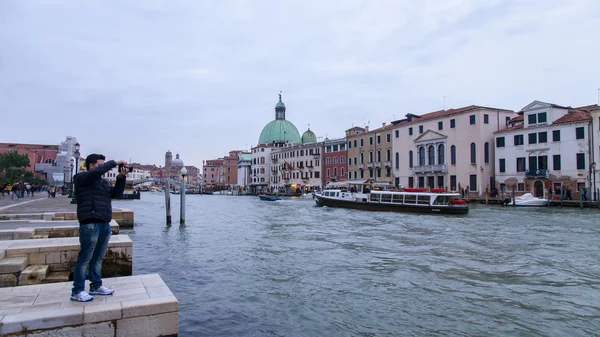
(528,199)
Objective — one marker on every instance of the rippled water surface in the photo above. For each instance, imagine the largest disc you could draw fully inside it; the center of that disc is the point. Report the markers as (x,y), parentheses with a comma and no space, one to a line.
(244,267)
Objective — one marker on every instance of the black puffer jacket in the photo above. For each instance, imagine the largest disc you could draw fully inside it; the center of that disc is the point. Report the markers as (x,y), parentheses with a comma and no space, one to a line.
(93,194)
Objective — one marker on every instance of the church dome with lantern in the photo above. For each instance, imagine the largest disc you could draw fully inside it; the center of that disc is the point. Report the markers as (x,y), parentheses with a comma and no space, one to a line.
(279,130)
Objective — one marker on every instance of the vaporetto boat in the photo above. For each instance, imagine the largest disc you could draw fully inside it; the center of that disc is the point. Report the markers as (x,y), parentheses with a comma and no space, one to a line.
(357,194)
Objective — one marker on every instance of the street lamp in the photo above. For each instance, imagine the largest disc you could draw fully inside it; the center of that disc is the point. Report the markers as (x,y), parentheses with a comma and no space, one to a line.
(182,206)
(593,174)
(71,180)
(76,154)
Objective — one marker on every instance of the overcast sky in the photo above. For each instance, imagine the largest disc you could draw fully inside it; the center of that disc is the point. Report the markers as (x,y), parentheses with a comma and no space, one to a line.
(133,79)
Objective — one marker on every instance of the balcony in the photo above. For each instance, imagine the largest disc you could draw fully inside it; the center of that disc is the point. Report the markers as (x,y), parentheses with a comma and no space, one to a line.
(275,160)
(430,168)
(536,174)
(378,164)
(361,166)
(309,166)
(370,165)
(388,164)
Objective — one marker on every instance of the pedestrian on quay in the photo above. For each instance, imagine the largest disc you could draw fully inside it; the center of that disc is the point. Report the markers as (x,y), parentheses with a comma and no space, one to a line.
(94,212)
(568,193)
(9,190)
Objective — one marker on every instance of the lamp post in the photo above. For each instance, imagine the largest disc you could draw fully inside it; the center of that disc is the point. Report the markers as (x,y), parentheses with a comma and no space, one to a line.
(593,176)
(71,181)
(182,192)
(76,154)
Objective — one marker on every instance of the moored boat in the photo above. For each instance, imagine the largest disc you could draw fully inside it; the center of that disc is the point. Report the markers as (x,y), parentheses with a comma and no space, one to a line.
(268,198)
(358,195)
(528,200)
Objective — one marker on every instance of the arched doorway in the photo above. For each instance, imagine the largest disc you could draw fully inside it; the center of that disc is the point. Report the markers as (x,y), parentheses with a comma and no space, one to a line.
(538,189)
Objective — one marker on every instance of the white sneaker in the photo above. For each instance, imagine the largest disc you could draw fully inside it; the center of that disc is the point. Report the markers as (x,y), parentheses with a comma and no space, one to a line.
(102,290)
(81,297)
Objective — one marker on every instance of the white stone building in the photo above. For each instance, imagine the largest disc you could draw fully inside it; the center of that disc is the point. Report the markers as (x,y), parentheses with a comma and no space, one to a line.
(546,146)
(244,169)
(296,166)
(595,167)
(136,174)
(448,148)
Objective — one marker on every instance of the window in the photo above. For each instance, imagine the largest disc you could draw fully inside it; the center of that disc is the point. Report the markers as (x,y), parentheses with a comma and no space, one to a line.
(362,142)
(502,165)
(532,138)
(542,117)
(556,136)
(579,133)
(532,119)
(521,187)
(410,159)
(378,139)
(388,155)
(362,174)
(388,137)
(581,161)
(335,160)
(472,119)
(410,131)
(378,173)
(421,182)
(328,161)
(362,157)
(556,162)
(397,133)
(473,153)
(440,125)
(328,175)
(335,171)
(431,155)
(421,156)
(350,144)
(507,120)
(486,153)
(452,123)
(411,182)
(473,182)
(371,157)
(452,155)
(500,142)
(532,163)
(521,164)
(420,129)
(519,140)
(371,173)
(397,160)
(342,159)
(342,172)
(542,162)
(453,183)
(378,156)
(543,137)
(371,140)
(486,119)
(441,154)
(355,143)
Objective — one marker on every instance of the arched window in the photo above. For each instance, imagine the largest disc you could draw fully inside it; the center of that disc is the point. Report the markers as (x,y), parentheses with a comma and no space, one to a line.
(378,156)
(410,159)
(486,153)
(262,160)
(328,175)
(388,155)
(422,156)
(473,153)
(362,158)
(452,155)
(49,161)
(371,157)
(431,155)
(397,160)
(335,171)
(342,172)
(441,154)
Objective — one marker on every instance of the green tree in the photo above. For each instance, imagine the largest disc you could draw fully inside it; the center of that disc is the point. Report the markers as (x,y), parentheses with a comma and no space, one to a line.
(12,166)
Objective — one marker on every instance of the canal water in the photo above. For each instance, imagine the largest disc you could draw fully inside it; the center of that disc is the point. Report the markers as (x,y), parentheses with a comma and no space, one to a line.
(245,267)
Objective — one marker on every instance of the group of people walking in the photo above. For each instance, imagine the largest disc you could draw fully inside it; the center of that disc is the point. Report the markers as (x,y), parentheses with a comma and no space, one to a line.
(22,189)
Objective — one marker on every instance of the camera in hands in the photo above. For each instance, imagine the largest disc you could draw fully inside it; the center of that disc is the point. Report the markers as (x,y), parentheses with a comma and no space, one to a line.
(130,168)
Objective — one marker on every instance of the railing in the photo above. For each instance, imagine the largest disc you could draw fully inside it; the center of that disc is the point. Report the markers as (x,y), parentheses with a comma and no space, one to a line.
(430,168)
(309,166)
(536,173)
(377,164)
(275,161)
(388,164)
(370,165)
(361,166)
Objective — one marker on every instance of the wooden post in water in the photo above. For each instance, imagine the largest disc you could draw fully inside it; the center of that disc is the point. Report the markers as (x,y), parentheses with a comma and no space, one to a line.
(182,206)
(561,195)
(487,195)
(549,195)
(168,201)
(513,196)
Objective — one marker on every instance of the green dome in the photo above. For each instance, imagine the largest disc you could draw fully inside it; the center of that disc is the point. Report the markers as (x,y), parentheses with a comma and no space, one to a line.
(280,105)
(279,130)
(309,137)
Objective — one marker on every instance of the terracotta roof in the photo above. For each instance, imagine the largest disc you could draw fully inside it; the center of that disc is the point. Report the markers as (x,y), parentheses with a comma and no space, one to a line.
(519,118)
(443,113)
(573,116)
(512,128)
(589,108)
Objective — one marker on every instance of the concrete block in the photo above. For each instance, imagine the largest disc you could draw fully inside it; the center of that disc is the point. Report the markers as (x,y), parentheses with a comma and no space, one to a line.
(150,306)
(23,233)
(47,216)
(102,313)
(13,264)
(37,258)
(33,275)
(71,216)
(127,215)
(104,329)
(38,320)
(8,280)
(150,326)
(57,276)
(53,257)
(154,292)
(69,256)
(153,280)
(56,218)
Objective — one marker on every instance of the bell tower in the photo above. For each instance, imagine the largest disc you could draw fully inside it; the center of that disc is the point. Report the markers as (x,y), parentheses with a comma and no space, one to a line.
(168,158)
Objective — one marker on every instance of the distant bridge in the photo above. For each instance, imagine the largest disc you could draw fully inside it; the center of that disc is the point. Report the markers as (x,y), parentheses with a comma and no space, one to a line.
(171,181)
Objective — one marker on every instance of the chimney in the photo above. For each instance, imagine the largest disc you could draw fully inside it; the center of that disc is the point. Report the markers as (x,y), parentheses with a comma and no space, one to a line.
(366,128)
(383,125)
(409,118)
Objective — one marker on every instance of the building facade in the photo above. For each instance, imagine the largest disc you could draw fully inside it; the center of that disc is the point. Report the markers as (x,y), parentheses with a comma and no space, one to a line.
(451,149)
(546,146)
(296,168)
(370,154)
(230,168)
(244,168)
(213,173)
(335,167)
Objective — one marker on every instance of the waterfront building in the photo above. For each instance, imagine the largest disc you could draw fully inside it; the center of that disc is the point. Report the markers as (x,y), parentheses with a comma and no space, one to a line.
(230,168)
(212,170)
(244,164)
(370,153)
(275,134)
(595,165)
(451,148)
(136,174)
(296,166)
(334,164)
(545,146)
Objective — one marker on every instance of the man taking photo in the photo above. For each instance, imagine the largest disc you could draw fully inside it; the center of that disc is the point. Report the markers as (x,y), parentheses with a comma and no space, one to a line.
(94,212)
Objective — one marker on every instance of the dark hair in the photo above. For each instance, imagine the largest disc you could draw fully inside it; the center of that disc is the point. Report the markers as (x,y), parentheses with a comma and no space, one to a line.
(92,159)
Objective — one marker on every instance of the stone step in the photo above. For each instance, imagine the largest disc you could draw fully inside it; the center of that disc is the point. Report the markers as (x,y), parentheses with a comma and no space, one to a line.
(57,276)
(12,265)
(34,274)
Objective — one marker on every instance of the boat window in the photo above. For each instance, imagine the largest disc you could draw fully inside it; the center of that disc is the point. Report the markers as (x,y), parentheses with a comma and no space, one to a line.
(374,197)
(423,200)
(386,197)
(410,199)
(398,198)
(337,194)
(442,200)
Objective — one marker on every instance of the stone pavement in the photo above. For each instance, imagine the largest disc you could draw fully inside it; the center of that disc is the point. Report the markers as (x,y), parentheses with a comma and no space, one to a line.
(41,204)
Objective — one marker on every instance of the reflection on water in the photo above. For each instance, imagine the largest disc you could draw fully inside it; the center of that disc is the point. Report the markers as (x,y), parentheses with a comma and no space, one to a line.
(244,267)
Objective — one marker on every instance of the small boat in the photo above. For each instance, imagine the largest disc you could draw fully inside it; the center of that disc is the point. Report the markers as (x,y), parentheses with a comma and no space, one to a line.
(529,200)
(409,200)
(269,198)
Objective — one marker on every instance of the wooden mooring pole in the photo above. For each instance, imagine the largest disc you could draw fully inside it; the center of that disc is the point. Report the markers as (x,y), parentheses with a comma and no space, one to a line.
(168,201)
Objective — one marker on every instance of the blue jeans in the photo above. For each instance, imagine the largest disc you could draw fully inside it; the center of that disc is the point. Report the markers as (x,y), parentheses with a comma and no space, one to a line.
(93,239)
